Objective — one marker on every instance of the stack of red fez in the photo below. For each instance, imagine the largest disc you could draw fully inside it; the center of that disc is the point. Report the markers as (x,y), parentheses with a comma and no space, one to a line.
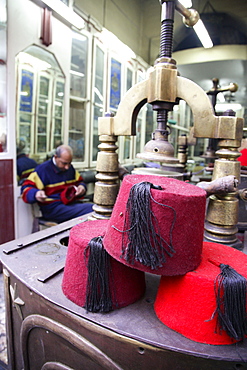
(157,226)
(127,285)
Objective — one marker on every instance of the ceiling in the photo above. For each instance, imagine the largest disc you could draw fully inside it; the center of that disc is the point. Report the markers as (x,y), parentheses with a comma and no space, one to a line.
(226,22)
(228,71)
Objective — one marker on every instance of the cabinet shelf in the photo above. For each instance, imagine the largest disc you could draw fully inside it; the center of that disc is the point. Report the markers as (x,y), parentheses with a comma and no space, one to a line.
(75,132)
(78,99)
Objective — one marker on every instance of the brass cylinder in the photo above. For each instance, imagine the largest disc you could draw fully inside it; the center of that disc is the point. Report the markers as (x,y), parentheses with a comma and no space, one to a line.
(222,212)
(224,167)
(105,194)
(222,234)
(107,162)
(100,212)
(107,184)
(107,158)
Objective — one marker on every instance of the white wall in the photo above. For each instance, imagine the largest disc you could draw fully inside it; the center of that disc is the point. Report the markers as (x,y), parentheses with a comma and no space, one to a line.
(24,29)
(123,18)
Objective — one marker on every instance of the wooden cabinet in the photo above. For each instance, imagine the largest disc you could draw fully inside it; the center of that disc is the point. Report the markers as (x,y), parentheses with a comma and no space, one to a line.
(40,102)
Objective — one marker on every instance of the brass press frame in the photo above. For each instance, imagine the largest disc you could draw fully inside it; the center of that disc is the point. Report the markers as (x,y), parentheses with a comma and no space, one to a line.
(164,85)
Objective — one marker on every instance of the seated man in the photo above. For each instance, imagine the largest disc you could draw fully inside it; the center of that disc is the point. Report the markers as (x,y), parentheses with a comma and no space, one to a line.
(57,187)
(25,166)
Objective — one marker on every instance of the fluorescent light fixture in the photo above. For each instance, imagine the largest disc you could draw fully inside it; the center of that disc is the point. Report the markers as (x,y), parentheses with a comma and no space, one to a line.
(186,3)
(65,12)
(113,43)
(203,35)
(221,97)
(191,18)
(80,74)
(224,107)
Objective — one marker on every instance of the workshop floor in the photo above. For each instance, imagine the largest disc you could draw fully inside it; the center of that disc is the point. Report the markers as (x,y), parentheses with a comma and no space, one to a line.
(3,344)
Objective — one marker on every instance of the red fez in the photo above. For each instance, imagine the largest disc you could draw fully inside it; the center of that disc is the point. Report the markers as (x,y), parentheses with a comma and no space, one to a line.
(94,280)
(157,225)
(68,195)
(243,158)
(207,305)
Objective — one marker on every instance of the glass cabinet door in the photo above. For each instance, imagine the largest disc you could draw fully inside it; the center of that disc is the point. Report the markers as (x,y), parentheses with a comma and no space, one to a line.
(25,114)
(115,83)
(77,130)
(129,78)
(98,97)
(78,96)
(127,141)
(40,102)
(43,117)
(78,67)
(99,76)
(24,135)
(57,121)
(97,112)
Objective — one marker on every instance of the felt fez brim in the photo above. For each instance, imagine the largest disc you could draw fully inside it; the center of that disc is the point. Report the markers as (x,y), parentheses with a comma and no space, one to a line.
(187,304)
(68,195)
(171,244)
(125,284)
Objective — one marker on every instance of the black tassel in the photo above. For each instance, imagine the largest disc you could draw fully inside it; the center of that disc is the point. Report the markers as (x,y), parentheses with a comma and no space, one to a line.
(98,295)
(141,240)
(230,290)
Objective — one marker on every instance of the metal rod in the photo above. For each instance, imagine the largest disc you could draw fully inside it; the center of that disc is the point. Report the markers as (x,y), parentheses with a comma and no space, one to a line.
(166,35)
(182,10)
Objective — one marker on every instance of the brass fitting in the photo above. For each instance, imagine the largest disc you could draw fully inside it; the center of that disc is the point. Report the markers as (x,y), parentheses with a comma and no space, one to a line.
(162,81)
